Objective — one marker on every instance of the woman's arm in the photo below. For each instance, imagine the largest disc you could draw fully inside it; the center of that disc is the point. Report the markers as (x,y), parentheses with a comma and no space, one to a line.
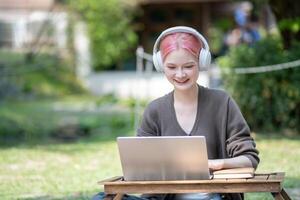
(236,162)
(240,146)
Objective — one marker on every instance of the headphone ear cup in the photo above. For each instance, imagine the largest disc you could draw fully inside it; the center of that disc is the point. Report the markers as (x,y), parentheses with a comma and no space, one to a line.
(204,58)
(157,61)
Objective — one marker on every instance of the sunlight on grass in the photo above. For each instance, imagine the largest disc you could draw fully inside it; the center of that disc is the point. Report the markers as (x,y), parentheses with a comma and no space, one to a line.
(279,154)
(57,169)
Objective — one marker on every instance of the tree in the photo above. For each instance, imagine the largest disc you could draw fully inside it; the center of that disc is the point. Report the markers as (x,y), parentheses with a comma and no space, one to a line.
(110,29)
(287,13)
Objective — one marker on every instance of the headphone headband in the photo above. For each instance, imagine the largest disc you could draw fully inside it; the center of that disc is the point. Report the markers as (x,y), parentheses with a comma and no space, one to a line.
(180,29)
(204,56)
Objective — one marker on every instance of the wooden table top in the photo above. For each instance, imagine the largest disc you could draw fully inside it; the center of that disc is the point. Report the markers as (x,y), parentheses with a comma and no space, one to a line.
(276,177)
(267,182)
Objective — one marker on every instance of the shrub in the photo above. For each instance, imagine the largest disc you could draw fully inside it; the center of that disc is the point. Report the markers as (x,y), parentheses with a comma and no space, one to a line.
(271,100)
(109,28)
(45,76)
(66,119)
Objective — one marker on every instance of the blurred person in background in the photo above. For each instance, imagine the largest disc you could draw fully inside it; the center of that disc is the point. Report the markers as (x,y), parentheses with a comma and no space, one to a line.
(246,28)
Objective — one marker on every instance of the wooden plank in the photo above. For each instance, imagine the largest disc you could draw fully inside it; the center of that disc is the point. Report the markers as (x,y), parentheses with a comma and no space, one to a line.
(193,188)
(115,178)
(267,182)
(209,182)
(261,177)
(166,182)
(236,180)
(280,176)
(276,176)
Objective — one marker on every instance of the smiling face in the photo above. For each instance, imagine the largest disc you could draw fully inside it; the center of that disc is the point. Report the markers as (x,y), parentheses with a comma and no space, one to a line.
(181,69)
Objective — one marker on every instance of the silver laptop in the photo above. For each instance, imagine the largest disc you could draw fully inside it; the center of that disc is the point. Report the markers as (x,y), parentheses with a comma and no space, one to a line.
(163,158)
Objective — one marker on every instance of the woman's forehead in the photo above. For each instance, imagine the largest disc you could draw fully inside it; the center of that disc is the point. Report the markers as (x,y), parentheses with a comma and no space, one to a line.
(180,56)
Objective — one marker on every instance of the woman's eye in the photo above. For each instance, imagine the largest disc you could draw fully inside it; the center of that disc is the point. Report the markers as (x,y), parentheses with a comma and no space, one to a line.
(171,67)
(189,66)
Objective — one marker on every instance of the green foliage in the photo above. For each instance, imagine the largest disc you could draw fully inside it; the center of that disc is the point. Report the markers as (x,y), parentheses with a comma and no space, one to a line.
(271,100)
(107,98)
(224,24)
(17,125)
(216,34)
(109,29)
(292,25)
(68,118)
(44,76)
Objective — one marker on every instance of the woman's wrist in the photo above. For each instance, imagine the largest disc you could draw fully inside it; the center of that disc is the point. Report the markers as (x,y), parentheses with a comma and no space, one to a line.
(240,161)
(216,164)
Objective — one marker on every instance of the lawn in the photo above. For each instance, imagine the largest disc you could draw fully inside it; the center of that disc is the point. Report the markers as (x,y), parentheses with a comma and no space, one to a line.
(280,153)
(58,169)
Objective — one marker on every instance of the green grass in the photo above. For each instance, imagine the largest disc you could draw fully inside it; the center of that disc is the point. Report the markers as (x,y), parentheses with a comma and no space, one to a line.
(52,169)
(279,153)
(39,166)
(57,171)
(71,171)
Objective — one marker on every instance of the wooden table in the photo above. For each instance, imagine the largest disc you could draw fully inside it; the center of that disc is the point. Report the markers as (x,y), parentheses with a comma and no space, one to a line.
(114,188)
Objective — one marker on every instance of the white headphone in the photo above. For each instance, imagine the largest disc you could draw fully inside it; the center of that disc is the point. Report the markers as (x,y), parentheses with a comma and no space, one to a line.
(204,55)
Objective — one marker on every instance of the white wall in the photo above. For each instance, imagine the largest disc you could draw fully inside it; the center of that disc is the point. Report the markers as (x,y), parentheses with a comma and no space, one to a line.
(128,84)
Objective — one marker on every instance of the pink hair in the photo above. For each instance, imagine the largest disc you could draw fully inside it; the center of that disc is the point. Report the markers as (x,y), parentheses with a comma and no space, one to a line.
(177,41)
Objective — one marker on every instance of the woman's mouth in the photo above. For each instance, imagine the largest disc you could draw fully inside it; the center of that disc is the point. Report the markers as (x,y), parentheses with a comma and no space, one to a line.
(181,81)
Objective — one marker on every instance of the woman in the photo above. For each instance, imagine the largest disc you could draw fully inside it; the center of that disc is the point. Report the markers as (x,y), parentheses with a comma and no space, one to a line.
(191,109)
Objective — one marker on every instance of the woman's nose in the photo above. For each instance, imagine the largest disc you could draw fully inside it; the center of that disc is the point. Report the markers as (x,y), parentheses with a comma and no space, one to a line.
(180,73)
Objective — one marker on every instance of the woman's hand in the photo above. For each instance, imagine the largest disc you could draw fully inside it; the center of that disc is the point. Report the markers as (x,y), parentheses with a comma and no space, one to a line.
(216,164)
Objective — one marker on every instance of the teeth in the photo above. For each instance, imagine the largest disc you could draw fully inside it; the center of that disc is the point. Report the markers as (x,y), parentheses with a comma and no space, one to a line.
(181,81)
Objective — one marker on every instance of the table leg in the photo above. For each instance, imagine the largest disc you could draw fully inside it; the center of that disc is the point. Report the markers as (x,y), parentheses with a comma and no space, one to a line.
(277,196)
(285,194)
(118,197)
(113,197)
(108,197)
(282,195)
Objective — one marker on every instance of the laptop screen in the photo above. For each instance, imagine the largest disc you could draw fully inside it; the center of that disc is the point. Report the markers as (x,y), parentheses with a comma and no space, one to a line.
(163,158)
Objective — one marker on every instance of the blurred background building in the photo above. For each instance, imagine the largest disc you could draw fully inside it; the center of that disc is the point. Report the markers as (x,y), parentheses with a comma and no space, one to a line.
(35,26)
(29,24)
(200,14)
